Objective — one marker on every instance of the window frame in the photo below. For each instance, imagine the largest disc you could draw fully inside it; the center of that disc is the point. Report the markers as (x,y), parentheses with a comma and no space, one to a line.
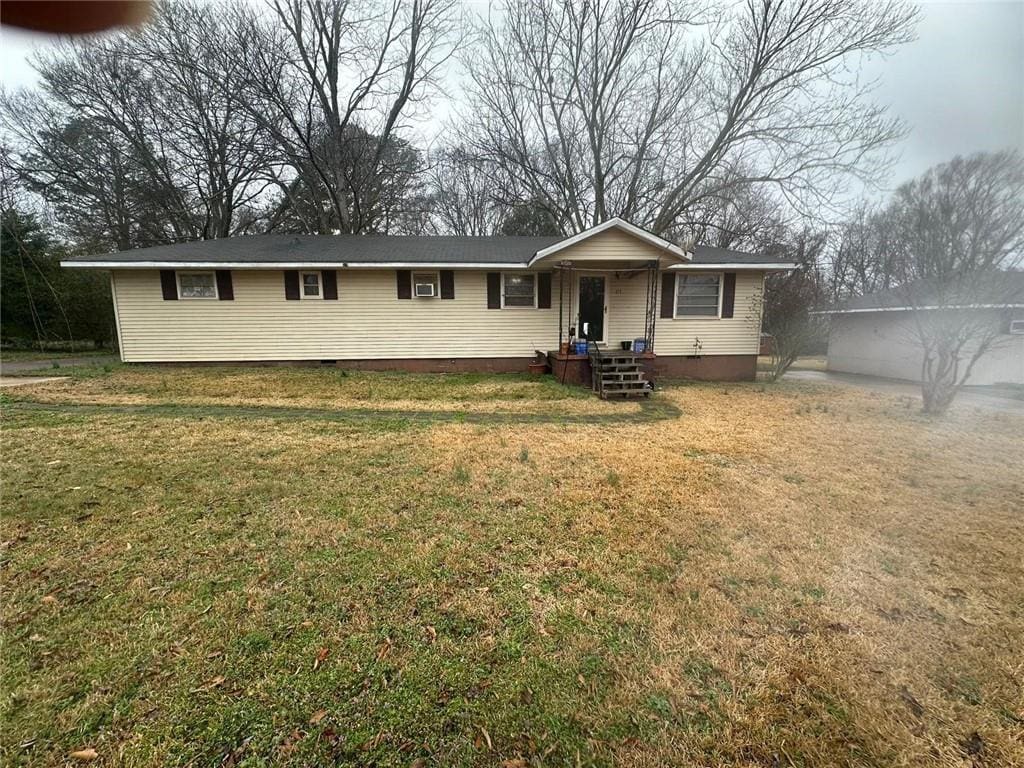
(533,276)
(680,280)
(1019,329)
(435,281)
(213,276)
(319,285)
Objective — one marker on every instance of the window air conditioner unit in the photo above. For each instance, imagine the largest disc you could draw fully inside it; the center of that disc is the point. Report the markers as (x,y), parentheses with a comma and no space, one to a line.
(425,290)
(1017,327)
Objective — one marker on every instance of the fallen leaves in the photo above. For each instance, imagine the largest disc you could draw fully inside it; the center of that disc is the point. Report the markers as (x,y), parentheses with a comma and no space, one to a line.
(317,716)
(482,739)
(321,657)
(209,685)
(84,755)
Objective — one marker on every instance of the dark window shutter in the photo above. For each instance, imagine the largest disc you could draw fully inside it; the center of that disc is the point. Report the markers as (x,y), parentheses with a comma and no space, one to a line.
(329,277)
(291,284)
(668,294)
(168,285)
(494,290)
(728,294)
(403,280)
(225,288)
(447,284)
(544,290)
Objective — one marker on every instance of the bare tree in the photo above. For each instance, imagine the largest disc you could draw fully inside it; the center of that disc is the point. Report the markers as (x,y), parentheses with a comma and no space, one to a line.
(647,109)
(464,198)
(958,229)
(330,82)
(862,257)
(790,299)
(124,123)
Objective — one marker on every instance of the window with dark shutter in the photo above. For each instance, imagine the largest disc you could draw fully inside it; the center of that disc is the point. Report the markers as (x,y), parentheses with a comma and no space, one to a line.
(728,294)
(668,294)
(291,284)
(403,282)
(168,285)
(494,290)
(447,284)
(544,290)
(329,278)
(225,288)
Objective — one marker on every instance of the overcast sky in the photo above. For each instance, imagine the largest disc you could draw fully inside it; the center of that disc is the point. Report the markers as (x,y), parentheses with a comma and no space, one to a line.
(959,86)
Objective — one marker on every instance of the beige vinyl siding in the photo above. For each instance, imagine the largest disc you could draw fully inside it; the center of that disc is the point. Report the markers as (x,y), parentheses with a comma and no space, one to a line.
(367,321)
(610,245)
(737,335)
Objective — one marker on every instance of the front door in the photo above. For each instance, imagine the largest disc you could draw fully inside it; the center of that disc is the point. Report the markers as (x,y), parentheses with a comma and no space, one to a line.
(592,298)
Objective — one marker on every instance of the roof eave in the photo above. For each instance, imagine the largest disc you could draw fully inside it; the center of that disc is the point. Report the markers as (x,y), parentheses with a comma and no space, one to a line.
(761,267)
(289,265)
(929,308)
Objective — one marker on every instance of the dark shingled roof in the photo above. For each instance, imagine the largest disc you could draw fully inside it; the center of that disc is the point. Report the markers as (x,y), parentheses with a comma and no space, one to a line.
(1005,290)
(372,249)
(355,249)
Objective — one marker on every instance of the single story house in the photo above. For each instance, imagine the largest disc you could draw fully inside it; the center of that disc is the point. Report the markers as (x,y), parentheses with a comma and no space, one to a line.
(439,303)
(874,334)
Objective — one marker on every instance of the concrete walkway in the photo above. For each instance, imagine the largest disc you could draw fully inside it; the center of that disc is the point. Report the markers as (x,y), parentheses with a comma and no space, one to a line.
(980,397)
(18,366)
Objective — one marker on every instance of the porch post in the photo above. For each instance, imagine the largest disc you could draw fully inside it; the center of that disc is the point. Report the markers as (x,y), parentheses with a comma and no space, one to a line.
(652,302)
(561,291)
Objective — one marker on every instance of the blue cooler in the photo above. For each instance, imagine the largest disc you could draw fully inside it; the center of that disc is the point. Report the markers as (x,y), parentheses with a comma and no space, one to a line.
(639,345)
(581,347)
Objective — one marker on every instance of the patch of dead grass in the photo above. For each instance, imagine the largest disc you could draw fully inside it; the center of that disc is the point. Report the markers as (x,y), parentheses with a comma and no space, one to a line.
(783,575)
(327,388)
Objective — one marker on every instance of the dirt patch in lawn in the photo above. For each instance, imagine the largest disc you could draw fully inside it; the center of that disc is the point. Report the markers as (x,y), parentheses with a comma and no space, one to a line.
(777,576)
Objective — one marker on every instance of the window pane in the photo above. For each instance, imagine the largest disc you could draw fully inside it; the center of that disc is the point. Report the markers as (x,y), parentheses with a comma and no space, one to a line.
(698,295)
(197,286)
(311,284)
(519,290)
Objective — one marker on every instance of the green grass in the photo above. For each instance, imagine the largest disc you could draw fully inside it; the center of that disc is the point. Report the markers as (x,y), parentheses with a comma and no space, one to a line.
(290,585)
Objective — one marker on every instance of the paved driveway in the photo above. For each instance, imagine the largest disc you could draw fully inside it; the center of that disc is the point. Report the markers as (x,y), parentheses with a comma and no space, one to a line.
(19,366)
(980,397)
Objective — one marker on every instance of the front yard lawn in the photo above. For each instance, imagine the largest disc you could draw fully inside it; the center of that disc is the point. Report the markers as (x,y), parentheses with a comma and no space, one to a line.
(739,575)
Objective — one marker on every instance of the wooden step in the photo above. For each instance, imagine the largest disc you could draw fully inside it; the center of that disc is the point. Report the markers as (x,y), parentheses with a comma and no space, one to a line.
(626,386)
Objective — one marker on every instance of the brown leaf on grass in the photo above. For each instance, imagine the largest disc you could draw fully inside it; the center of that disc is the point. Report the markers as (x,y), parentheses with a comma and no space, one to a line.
(84,755)
(384,649)
(514,762)
(487,738)
(317,716)
(431,634)
(973,744)
(321,657)
(213,682)
(912,703)
(49,600)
